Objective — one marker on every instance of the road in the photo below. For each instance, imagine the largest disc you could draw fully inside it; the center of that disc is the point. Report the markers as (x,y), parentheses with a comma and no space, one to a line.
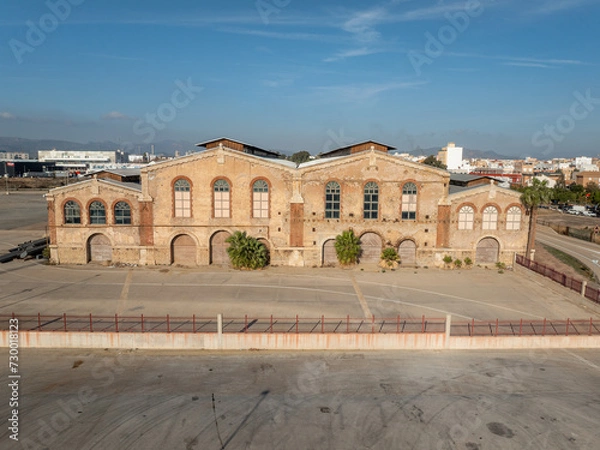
(587,252)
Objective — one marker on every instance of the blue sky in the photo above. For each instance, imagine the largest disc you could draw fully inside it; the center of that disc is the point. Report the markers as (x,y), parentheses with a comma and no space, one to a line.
(517,77)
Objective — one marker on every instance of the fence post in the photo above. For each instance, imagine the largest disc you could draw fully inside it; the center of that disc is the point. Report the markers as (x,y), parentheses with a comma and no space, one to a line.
(423,323)
(473,327)
(373,324)
(39,321)
(322,324)
(590,332)
(583,288)
(142,323)
(348,323)
(116,323)
(91,327)
(220,331)
(271,323)
(398,324)
(544,328)
(194,323)
(65,321)
(296,323)
(246,323)
(448,328)
(521,328)
(567,332)
(496,327)
(168,324)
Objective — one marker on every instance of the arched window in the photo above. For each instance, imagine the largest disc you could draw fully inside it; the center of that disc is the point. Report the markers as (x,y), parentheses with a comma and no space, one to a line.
(122,213)
(183,198)
(221,199)
(466,216)
(260,199)
(513,218)
(72,212)
(409,201)
(490,218)
(371,201)
(332,200)
(97,213)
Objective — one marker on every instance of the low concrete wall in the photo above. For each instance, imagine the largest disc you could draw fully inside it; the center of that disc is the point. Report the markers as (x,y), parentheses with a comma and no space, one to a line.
(291,341)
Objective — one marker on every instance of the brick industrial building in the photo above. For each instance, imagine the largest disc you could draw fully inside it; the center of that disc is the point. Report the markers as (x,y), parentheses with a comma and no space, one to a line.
(184,209)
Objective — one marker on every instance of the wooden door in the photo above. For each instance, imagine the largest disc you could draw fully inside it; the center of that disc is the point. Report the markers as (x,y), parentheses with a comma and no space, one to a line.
(183,250)
(371,246)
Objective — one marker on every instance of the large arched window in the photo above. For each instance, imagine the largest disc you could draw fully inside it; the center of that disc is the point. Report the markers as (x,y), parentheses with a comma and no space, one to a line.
(122,213)
(183,198)
(332,200)
(97,213)
(513,218)
(222,199)
(409,201)
(490,218)
(72,212)
(260,199)
(466,216)
(371,201)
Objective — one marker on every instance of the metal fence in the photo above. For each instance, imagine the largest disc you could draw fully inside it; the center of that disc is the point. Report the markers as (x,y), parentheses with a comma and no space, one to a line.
(170,324)
(567,281)
(522,327)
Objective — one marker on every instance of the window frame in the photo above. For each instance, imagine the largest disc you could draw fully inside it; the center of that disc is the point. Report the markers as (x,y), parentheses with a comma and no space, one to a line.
(224,204)
(370,205)
(514,225)
(94,217)
(410,201)
(117,216)
(466,219)
(182,198)
(262,198)
(486,221)
(333,206)
(66,221)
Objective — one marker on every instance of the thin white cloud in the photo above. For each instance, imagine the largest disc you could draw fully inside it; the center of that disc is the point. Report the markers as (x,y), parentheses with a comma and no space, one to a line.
(523,64)
(554,6)
(7,116)
(116,115)
(364,51)
(522,60)
(361,92)
(293,36)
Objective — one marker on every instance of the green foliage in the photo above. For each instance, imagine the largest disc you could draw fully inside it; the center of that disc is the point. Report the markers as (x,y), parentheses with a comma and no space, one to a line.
(535,195)
(447,259)
(431,160)
(500,265)
(458,263)
(46,253)
(300,157)
(246,252)
(468,261)
(347,247)
(389,255)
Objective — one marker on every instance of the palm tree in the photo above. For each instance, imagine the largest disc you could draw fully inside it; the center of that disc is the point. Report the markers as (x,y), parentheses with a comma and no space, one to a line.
(533,196)
(347,247)
(246,252)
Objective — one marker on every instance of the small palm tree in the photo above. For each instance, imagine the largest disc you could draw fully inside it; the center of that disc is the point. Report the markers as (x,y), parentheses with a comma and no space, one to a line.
(246,252)
(347,247)
(533,196)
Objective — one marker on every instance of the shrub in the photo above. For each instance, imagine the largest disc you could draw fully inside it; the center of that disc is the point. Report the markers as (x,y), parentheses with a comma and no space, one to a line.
(458,263)
(390,256)
(500,265)
(46,253)
(447,259)
(347,247)
(246,252)
(468,261)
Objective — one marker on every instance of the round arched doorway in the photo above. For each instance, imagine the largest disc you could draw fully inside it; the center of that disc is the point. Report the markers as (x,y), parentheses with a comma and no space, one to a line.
(183,250)
(329,254)
(488,250)
(407,251)
(99,249)
(371,246)
(218,248)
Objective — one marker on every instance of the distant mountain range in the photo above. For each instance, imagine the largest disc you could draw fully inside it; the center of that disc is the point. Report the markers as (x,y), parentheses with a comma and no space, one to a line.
(167,147)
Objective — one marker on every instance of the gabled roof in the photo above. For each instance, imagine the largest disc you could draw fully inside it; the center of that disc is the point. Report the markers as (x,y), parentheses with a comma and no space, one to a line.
(137,188)
(242,146)
(359,146)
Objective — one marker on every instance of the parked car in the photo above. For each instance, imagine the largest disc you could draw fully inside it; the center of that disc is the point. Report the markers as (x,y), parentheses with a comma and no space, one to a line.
(589,213)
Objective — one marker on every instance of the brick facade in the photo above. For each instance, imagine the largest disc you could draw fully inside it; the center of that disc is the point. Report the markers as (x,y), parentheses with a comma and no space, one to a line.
(295,228)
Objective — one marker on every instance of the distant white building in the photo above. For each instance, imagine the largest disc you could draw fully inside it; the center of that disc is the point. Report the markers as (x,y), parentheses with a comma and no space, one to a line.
(9,156)
(585,164)
(78,159)
(451,156)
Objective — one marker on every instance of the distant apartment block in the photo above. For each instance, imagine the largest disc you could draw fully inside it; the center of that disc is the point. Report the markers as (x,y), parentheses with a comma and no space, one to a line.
(9,156)
(584,178)
(77,159)
(451,156)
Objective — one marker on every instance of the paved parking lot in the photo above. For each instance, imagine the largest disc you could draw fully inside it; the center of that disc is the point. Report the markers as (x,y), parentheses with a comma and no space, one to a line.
(259,400)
